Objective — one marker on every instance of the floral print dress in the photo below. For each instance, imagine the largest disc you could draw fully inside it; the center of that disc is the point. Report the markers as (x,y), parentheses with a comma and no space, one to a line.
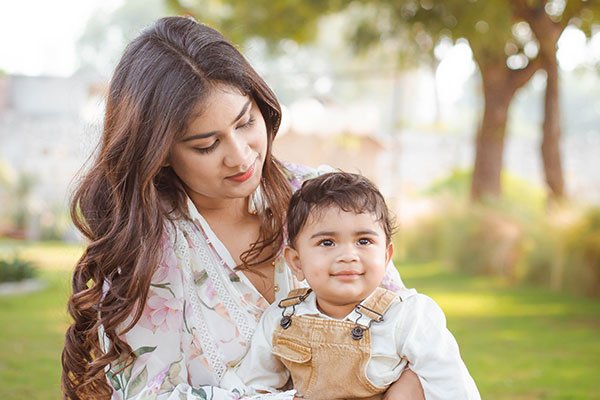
(199,315)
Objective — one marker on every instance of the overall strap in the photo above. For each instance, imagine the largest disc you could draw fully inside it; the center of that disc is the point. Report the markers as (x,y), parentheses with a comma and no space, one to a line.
(375,306)
(295,297)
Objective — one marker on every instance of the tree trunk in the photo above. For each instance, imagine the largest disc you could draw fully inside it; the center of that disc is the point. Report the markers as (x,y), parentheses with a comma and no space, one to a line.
(490,142)
(548,32)
(437,119)
(499,87)
(552,133)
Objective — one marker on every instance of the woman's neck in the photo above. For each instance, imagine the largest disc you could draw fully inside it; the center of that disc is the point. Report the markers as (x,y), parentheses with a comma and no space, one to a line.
(229,209)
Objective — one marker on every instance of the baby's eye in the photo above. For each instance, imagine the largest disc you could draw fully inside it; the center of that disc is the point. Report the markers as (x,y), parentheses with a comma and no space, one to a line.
(326,243)
(364,241)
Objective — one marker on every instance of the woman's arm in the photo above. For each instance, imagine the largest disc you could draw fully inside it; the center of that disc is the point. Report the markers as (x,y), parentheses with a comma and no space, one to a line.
(160,370)
(167,350)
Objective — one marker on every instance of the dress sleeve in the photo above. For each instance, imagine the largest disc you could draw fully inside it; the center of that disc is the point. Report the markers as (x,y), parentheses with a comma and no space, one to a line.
(161,368)
(296,174)
(259,371)
(391,279)
(432,352)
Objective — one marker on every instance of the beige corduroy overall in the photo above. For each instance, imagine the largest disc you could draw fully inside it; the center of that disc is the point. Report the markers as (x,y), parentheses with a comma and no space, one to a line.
(327,358)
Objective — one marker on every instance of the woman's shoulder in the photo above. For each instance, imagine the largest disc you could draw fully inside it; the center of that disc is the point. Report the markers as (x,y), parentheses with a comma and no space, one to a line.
(296,174)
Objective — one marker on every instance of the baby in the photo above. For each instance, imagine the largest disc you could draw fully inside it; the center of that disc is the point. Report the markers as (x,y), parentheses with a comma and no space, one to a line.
(345,337)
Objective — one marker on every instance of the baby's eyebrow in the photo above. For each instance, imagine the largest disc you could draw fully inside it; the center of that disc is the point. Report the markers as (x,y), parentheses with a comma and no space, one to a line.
(367,232)
(333,233)
(323,233)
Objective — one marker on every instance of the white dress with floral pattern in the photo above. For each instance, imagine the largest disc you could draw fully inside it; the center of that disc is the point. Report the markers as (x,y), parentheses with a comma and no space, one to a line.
(200,315)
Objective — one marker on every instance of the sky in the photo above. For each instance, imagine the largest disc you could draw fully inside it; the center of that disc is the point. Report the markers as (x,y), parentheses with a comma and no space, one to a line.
(38,37)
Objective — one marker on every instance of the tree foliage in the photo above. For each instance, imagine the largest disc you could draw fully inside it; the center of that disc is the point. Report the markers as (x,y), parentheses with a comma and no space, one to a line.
(109,30)
(510,41)
(271,20)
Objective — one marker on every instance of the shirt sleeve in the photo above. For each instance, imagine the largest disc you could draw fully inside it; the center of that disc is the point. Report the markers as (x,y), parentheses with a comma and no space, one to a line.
(260,371)
(160,371)
(432,351)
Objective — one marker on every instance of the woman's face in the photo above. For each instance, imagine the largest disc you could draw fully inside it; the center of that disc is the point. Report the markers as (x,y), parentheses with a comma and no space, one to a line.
(222,152)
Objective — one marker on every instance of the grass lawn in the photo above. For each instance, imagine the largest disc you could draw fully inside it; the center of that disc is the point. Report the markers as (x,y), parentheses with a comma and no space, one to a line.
(32,326)
(519,343)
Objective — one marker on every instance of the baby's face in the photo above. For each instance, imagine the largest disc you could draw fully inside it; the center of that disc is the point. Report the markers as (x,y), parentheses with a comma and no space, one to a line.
(343,257)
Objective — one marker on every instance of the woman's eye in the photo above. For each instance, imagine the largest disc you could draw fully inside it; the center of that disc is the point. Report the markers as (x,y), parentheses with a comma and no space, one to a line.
(205,150)
(247,124)
(364,241)
(326,243)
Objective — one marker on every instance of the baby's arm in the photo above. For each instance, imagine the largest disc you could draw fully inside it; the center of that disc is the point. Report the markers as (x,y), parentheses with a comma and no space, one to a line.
(259,371)
(432,352)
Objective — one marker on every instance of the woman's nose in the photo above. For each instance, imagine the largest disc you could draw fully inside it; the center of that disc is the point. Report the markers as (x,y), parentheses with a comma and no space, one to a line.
(237,153)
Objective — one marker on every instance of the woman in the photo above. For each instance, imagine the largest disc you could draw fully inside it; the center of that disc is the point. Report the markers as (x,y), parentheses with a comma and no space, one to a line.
(183,208)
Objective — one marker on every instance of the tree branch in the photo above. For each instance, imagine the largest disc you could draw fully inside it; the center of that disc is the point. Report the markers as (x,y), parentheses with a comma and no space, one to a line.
(520,77)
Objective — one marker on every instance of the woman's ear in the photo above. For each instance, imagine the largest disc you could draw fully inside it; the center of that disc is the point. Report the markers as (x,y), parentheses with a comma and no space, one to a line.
(292,258)
(167,162)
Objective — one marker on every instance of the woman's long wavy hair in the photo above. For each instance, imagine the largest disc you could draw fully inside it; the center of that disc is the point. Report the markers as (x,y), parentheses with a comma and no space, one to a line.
(124,200)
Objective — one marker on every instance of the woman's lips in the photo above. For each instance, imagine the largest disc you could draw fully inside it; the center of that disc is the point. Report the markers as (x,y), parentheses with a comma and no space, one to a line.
(243,176)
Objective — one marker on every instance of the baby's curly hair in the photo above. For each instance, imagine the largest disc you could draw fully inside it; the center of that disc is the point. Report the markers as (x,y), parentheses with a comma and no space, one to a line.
(347,191)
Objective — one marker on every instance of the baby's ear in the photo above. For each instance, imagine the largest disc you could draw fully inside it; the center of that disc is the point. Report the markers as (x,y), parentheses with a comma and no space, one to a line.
(389,253)
(292,258)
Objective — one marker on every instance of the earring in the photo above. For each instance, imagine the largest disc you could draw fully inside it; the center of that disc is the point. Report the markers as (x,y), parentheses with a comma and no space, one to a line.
(256,202)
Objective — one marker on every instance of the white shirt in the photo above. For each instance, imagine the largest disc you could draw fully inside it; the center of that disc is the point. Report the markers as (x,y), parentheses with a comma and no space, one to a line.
(412,333)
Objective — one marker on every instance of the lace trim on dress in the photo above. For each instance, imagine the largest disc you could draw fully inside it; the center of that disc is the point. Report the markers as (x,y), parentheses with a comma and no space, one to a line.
(209,347)
(214,265)
(215,268)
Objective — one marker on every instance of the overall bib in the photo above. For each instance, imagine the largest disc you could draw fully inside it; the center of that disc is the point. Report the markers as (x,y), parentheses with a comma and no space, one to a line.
(327,358)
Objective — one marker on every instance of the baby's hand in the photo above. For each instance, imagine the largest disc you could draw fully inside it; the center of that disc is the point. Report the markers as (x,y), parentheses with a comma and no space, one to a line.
(408,387)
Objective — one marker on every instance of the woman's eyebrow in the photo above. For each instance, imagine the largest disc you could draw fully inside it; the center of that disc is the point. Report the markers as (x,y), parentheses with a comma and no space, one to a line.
(242,112)
(212,133)
(198,136)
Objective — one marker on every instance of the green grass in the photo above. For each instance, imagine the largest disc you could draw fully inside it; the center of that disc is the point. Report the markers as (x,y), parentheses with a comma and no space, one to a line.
(518,343)
(32,326)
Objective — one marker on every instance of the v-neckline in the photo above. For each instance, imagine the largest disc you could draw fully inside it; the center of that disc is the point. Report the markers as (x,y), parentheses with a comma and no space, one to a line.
(222,250)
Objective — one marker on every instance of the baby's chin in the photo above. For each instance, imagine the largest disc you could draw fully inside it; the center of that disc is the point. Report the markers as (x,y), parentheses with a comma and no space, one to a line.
(346,298)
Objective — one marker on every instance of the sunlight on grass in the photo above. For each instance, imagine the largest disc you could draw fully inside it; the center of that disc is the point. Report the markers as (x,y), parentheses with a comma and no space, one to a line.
(55,256)
(470,305)
(483,305)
